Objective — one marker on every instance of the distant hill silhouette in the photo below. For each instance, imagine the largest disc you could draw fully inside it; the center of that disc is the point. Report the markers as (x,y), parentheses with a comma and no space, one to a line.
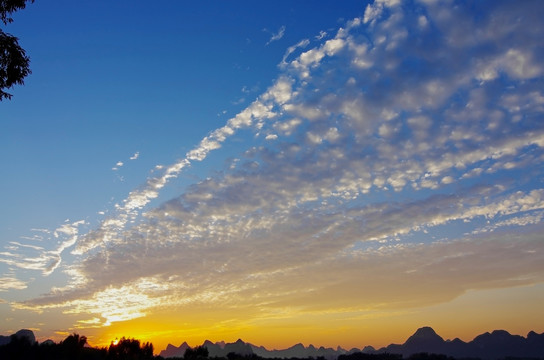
(495,345)
(498,344)
(173,351)
(21,334)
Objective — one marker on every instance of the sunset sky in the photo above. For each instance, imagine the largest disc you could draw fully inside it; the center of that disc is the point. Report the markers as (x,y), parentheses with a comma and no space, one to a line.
(324,172)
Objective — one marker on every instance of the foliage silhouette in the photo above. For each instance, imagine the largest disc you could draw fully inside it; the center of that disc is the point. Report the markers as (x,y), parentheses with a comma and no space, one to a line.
(130,349)
(235,356)
(196,353)
(427,356)
(73,348)
(365,356)
(14,63)
(8,7)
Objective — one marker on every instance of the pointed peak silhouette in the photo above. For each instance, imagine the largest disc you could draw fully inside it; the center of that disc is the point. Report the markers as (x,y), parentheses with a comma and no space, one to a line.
(174,351)
(425,334)
(425,331)
(488,346)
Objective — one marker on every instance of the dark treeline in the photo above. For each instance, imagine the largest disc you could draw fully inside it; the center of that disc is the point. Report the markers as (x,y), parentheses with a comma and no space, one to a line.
(75,347)
(190,354)
(417,356)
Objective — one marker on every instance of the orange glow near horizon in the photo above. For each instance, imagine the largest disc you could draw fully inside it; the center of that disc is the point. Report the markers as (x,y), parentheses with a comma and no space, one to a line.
(488,311)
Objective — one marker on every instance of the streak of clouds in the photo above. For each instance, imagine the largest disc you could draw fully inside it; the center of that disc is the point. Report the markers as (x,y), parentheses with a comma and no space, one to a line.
(398,162)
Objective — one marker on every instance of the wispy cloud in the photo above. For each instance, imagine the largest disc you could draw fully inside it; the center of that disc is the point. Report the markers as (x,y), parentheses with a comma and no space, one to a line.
(321,35)
(40,258)
(120,164)
(276,36)
(391,156)
(291,49)
(10,282)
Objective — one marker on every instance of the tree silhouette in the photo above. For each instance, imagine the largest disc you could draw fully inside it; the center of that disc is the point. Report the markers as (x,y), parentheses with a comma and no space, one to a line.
(130,349)
(365,356)
(14,63)
(72,346)
(75,341)
(197,353)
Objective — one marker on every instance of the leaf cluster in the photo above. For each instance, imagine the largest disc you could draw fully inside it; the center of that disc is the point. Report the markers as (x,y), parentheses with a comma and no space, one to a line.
(14,63)
(8,7)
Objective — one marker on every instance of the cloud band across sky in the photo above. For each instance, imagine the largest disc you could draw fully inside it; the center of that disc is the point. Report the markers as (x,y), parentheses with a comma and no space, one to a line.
(395,164)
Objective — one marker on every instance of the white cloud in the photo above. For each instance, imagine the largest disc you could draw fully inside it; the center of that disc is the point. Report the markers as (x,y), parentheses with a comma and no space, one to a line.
(321,35)
(422,22)
(10,282)
(278,35)
(372,12)
(301,44)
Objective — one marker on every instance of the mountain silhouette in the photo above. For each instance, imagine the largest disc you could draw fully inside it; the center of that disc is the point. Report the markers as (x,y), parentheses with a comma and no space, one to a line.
(219,349)
(23,333)
(424,338)
(298,351)
(494,345)
(498,344)
(173,351)
(239,347)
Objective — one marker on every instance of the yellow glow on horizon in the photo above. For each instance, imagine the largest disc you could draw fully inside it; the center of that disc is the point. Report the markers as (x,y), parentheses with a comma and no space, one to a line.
(347,329)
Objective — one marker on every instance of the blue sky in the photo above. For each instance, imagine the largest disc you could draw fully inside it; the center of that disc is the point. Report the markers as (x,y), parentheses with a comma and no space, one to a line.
(110,80)
(365,165)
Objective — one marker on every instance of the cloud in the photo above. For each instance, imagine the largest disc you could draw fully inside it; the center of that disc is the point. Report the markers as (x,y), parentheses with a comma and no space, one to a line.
(301,44)
(321,35)
(389,166)
(120,164)
(10,282)
(261,109)
(40,258)
(277,36)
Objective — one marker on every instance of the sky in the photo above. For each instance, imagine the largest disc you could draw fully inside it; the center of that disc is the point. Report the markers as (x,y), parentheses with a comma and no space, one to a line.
(324,172)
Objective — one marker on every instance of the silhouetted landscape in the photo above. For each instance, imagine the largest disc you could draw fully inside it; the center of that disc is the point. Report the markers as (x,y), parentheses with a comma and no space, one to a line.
(424,344)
